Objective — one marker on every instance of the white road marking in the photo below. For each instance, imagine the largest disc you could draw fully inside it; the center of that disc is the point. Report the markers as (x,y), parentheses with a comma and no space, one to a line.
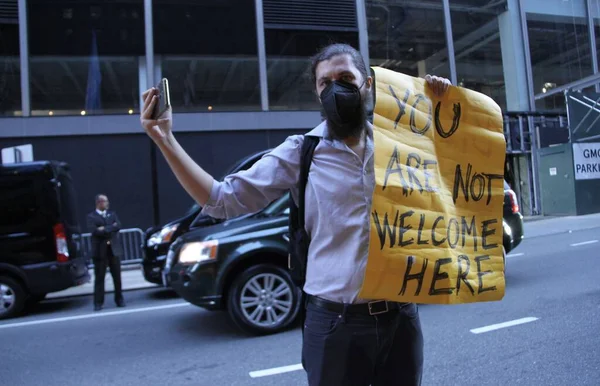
(584,243)
(94,315)
(515,254)
(499,326)
(276,370)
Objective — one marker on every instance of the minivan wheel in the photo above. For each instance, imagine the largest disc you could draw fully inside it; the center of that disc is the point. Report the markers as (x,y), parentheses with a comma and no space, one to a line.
(12,297)
(263,300)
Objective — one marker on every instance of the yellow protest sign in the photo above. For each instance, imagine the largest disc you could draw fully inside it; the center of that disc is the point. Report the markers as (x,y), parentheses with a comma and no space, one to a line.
(436,218)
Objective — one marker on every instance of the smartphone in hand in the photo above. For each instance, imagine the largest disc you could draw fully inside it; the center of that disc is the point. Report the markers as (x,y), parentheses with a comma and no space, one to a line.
(164,99)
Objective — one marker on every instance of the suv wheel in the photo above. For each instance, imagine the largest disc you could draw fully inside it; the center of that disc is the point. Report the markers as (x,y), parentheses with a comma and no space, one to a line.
(263,299)
(12,297)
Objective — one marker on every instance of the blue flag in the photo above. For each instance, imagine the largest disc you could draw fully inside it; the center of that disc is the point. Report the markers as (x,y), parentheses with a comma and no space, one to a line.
(93,93)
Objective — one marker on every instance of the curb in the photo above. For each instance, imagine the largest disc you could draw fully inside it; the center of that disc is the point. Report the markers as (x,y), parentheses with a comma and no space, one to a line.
(124,267)
(540,218)
(561,232)
(105,292)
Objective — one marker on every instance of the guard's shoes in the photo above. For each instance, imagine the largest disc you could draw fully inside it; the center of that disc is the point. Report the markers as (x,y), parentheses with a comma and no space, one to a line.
(120,303)
(97,307)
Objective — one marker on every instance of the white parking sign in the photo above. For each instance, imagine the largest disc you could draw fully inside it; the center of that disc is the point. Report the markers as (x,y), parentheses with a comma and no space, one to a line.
(586,160)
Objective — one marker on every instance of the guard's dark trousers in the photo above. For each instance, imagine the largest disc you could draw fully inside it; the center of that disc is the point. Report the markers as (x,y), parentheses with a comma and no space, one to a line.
(344,345)
(100,264)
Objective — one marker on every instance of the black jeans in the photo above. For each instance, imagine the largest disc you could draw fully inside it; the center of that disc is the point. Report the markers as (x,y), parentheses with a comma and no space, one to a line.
(361,350)
(100,264)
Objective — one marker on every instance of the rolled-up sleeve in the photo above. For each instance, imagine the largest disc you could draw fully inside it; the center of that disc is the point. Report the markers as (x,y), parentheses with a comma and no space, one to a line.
(251,190)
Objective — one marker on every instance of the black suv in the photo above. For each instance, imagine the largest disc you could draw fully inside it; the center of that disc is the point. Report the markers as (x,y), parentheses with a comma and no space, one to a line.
(157,240)
(39,234)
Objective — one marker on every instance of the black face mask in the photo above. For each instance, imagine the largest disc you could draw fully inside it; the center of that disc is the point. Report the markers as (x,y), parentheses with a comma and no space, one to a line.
(344,108)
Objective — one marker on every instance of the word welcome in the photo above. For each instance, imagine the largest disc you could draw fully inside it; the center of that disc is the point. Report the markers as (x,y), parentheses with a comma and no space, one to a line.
(450,232)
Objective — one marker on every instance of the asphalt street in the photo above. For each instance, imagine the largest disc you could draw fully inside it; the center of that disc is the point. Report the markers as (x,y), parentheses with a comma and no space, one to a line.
(546,331)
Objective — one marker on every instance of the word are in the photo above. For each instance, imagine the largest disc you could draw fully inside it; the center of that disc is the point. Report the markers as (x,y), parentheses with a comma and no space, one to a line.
(408,178)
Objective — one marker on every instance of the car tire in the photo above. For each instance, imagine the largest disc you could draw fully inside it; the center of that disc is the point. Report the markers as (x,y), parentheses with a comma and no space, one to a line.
(12,297)
(263,300)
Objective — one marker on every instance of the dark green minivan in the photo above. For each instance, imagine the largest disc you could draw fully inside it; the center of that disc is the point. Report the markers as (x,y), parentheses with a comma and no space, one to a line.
(240,266)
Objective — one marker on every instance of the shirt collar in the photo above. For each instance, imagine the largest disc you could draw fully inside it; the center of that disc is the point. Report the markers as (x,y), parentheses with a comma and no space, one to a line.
(322,131)
(100,212)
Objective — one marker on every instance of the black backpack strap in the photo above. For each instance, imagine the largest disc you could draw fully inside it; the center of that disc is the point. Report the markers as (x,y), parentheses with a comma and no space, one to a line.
(299,240)
(306,156)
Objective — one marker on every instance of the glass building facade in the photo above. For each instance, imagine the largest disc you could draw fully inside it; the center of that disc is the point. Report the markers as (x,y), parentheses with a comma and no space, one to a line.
(92,57)
(243,65)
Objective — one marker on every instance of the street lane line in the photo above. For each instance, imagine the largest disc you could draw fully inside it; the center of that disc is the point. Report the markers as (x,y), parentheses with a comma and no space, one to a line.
(94,315)
(584,243)
(499,326)
(515,254)
(276,370)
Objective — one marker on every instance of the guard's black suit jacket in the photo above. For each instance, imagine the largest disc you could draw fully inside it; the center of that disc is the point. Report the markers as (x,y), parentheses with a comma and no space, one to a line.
(109,236)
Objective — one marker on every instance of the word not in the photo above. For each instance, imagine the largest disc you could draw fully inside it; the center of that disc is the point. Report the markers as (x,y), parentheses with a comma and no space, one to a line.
(463,267)
(412,121)
(456,231)
(413,163)
(473,186)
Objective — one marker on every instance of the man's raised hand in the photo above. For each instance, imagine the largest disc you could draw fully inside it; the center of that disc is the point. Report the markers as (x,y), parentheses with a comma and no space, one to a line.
(438,85)
(157,129)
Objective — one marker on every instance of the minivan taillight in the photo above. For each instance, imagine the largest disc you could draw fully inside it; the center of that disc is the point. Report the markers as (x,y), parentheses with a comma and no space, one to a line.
(62,250)
(513,201)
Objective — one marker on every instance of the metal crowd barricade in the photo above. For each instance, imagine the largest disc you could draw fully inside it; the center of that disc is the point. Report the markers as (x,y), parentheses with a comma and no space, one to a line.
(133,245)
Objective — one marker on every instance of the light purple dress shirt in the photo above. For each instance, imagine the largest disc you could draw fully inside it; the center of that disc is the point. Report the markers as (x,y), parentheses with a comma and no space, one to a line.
(338,205)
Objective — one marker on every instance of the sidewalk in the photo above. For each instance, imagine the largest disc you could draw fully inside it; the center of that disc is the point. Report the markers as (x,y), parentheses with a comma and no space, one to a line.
(131,278)
(545,226)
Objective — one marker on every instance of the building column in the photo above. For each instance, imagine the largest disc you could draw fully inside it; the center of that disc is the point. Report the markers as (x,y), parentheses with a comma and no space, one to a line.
(24,59)
(363,32)
(262,55)
(513,60)
(422,68)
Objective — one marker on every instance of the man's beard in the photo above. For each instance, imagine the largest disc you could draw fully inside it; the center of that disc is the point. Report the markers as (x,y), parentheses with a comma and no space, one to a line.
(353,130)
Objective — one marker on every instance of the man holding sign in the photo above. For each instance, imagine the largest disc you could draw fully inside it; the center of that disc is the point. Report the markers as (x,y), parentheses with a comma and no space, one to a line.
(349,338)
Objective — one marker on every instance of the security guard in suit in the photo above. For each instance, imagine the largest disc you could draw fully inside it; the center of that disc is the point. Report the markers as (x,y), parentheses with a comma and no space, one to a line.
(104,225)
